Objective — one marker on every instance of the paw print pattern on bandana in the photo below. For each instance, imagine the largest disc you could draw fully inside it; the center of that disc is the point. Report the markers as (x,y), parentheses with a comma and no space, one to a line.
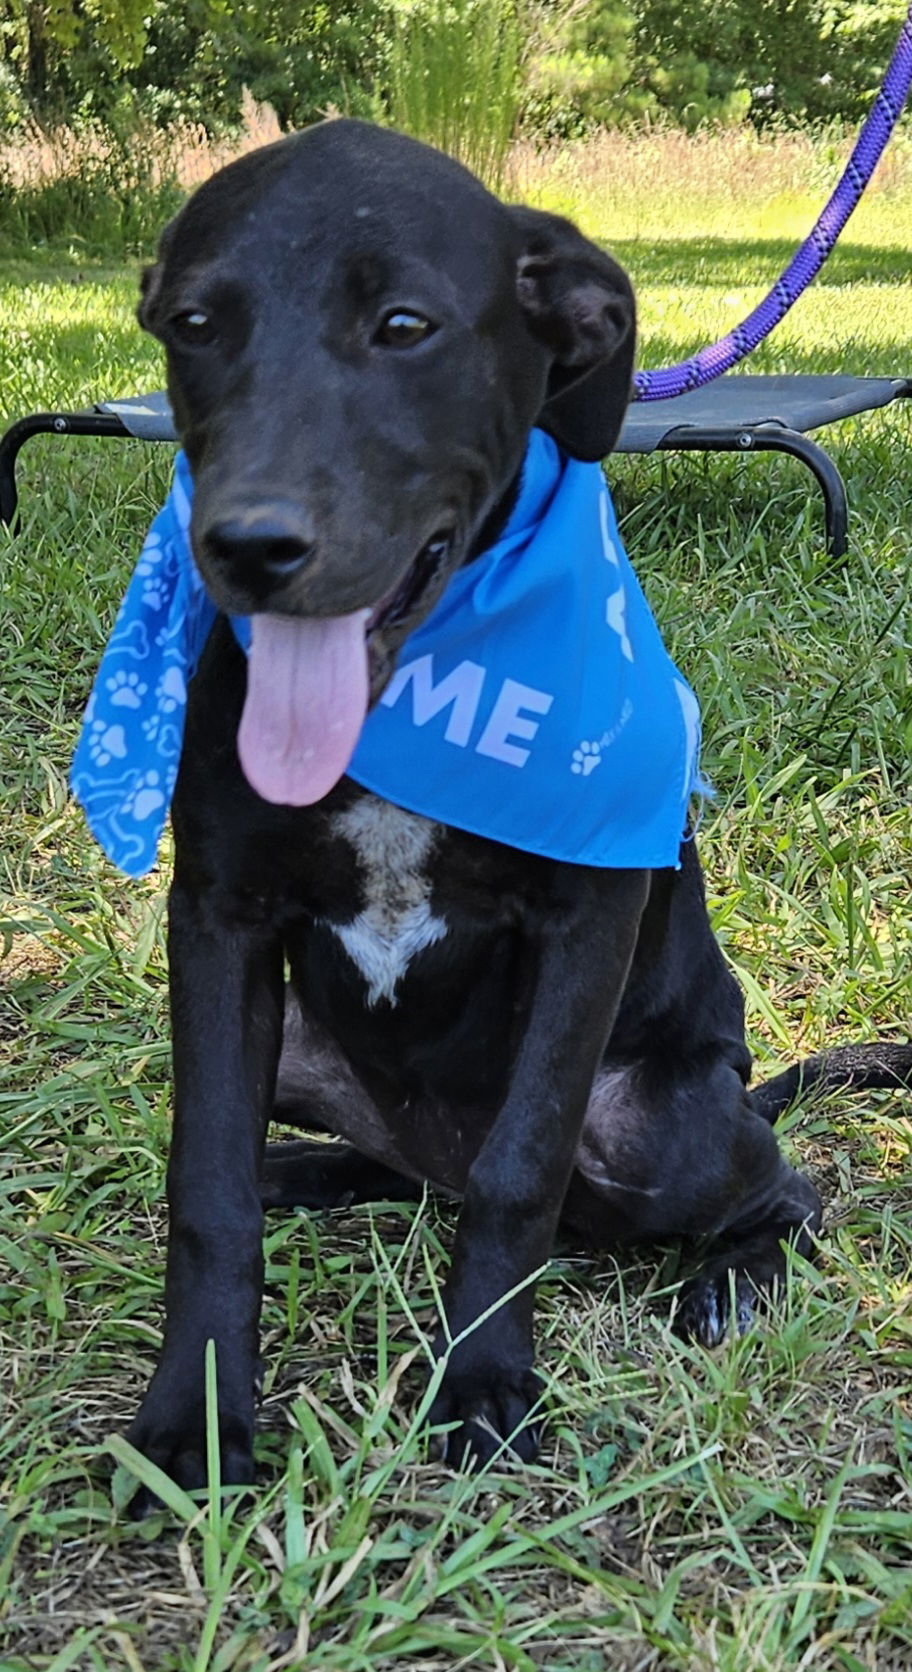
(126,689)
(153,594)
(145,798)
(586,758)
(166,733)
(172,690)
(126,760)
(106,743)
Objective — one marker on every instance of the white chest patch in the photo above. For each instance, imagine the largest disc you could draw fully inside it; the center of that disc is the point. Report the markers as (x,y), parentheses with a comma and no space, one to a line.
(396,923)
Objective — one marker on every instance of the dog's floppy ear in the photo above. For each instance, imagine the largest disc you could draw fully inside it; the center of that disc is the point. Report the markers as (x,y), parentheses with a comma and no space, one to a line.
(150,281)
(580,304)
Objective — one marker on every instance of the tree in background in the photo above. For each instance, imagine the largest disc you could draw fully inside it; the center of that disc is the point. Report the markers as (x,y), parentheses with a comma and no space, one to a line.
(301,58)
(601,62)
(808,59)
(579,66)
(170,59)
(40,38)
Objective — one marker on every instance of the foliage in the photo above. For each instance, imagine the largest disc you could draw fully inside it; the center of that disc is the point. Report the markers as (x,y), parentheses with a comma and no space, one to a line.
(302,59)
(191,59)
(455,81)
(585,63)
(810,58)
(580,67)
(604,61)
(41,40)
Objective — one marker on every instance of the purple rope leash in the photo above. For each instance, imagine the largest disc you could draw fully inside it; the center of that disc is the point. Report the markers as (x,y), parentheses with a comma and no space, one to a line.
(806,263)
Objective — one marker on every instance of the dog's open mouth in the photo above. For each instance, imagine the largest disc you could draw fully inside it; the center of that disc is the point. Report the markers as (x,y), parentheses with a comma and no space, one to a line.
(398,605)
(308,687)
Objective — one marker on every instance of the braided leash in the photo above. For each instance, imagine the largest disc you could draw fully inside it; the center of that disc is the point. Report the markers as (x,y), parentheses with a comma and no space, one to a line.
(806,263)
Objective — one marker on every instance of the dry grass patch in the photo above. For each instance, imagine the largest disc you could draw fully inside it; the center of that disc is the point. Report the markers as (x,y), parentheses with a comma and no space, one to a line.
(35,156)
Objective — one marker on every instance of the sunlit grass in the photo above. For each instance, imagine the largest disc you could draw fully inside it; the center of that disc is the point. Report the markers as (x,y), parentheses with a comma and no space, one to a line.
(729,184)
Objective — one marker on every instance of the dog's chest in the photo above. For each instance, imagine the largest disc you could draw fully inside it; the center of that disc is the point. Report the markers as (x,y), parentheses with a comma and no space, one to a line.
(395,923)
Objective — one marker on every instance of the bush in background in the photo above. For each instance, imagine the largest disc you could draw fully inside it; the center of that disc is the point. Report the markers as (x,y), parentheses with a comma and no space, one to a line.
(99,192)
(454,80)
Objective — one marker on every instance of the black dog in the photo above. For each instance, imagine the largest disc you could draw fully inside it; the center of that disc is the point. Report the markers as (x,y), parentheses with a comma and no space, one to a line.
(359,339)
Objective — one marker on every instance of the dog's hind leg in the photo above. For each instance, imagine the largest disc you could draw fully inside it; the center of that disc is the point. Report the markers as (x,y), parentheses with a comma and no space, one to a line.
(315,1175)
(684,1153)
(318,1091)
(749,1260)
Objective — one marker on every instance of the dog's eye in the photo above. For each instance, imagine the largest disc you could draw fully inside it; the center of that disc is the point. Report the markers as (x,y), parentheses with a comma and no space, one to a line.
(403,329)
(194,328)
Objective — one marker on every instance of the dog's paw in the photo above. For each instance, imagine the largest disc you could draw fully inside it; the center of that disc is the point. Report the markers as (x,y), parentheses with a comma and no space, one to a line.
(717,1300)
(178,1448)
(491,1410)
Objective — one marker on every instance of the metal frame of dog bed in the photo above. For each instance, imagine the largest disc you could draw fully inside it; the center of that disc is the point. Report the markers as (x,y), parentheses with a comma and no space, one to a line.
(739,413)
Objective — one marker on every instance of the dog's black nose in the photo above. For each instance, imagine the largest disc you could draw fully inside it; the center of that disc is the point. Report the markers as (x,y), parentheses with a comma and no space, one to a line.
(273,540)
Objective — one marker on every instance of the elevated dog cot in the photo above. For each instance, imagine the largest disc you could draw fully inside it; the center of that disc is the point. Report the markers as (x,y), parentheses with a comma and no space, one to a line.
(738,413)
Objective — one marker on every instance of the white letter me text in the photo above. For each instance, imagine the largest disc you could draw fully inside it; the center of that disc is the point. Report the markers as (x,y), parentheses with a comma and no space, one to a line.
(461,691)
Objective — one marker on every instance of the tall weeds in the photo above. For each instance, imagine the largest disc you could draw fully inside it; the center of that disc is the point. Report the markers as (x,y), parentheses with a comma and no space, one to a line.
(95,194)
(455,80)
(105,199)
(101,193)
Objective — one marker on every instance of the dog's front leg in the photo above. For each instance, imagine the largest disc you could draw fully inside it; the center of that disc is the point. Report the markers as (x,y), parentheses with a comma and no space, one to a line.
(226,1013)
(583,948)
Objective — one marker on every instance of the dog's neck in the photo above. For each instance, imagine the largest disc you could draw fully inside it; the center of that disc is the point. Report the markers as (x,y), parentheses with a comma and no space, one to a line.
(496,521)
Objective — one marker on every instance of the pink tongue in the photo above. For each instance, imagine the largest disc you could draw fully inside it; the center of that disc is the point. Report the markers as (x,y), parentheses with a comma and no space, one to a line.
(307,692)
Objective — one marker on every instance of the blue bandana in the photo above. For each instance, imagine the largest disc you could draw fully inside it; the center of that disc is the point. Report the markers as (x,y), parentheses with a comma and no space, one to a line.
(536,705)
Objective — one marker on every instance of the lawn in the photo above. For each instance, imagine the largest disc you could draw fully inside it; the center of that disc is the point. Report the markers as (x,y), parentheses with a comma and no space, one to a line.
(744,1509)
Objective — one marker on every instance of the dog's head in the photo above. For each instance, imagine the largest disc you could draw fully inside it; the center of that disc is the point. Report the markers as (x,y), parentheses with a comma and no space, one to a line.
(359,338)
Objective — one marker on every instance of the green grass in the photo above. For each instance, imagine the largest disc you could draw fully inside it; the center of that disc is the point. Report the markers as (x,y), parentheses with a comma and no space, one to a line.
(746,1509)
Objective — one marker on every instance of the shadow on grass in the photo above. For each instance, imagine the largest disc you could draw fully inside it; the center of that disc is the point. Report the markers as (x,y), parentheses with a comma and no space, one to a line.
(754,261)
(889,356)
